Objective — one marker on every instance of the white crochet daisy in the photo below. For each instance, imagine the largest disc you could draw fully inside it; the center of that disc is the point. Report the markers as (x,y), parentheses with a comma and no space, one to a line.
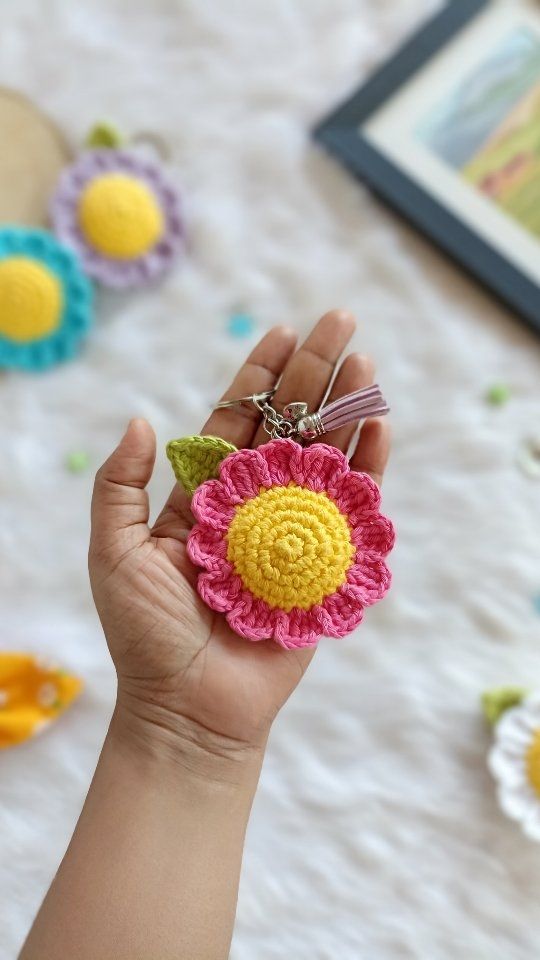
(514,761)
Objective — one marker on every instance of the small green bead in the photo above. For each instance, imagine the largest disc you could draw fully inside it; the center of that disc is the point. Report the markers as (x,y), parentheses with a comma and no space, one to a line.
(240,325)
(77,461)
(498,394)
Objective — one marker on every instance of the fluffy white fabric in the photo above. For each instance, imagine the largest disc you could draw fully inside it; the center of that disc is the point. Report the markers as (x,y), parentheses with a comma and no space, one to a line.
(375,833)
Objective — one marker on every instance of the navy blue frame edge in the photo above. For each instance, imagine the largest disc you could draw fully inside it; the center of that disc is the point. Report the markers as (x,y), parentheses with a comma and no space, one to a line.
(339,134)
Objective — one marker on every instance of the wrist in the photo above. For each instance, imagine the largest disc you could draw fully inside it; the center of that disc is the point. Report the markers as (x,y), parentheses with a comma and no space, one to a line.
(177,744)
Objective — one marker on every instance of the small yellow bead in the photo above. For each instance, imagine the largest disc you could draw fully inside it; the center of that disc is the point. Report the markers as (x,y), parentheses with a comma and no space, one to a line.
(120,216)
(31,300)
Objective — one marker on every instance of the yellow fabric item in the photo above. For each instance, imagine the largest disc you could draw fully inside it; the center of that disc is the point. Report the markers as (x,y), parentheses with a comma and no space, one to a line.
(32,695)
(120,216)
(31,299)
(532,761)
(290,546)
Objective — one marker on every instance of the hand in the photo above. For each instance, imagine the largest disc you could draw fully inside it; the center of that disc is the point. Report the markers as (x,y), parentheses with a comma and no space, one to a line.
(182,672)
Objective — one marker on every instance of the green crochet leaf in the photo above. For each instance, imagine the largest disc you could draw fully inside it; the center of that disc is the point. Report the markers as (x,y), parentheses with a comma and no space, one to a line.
(103,135)
(497,702)
(196,459)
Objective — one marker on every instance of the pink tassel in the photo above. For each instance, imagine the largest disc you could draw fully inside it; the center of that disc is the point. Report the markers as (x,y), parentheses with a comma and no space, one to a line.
(368,402)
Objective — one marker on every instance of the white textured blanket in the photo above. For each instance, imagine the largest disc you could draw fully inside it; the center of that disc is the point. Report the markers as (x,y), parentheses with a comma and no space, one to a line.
(375,834)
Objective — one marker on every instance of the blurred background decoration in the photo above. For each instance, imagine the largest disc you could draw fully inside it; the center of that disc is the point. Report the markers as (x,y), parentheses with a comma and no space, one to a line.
(35,151)
(376,832)
(447,131)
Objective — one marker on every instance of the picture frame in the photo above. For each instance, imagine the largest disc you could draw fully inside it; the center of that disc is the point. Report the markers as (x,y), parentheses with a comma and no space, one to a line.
(403,135)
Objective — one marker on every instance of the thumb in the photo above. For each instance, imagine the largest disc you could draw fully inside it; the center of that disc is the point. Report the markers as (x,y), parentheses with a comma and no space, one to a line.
(120,502)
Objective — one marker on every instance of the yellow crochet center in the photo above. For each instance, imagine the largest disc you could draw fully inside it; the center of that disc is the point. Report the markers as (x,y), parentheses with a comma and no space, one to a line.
(120,216)
(290,546)
(31,300)
(532,761)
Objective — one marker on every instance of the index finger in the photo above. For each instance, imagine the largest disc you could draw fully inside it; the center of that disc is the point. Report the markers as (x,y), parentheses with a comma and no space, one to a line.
(236,424)
(308,374)
(260,372)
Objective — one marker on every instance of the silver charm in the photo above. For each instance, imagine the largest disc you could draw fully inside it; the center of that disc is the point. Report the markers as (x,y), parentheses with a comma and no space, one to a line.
(298,423)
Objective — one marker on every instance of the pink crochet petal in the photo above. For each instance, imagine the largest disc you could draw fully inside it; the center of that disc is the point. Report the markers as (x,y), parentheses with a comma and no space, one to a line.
(323,467)
(243,474)
(370,578)
(206,547)
(252,618)
(211,505)
(299,628)
(357,494)
(375,534)
(284,460)
(220,589)
(341,612)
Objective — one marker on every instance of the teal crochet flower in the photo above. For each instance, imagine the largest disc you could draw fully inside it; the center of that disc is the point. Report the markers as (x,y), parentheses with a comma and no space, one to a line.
(45,300)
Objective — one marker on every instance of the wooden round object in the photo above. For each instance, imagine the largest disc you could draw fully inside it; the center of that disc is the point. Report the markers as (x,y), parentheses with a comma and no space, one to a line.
(33,154)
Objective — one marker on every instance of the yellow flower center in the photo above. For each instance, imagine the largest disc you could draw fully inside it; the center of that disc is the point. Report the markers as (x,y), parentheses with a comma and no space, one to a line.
(290,546)
(120,216)
(31,299)
(532,761)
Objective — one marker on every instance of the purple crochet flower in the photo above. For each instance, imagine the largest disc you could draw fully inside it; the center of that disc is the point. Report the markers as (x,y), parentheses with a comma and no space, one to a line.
(120,214)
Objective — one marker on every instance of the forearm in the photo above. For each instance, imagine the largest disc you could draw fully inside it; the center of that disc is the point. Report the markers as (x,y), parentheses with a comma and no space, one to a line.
(152,870)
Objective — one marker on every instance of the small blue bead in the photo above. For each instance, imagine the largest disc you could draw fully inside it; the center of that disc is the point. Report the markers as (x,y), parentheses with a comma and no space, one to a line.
(240,325)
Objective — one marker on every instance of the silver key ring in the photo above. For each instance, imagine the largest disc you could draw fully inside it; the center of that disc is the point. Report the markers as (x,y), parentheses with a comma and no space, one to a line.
(276,425)
(298,423)
(255,398)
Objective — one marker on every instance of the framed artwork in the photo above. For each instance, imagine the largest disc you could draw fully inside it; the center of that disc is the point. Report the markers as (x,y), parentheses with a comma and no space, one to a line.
(448,132)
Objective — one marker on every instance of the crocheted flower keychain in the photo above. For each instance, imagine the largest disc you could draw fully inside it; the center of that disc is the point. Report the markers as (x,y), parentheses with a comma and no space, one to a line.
(117,220)
(290,539)
(514,759)
(45,299)
(117,210)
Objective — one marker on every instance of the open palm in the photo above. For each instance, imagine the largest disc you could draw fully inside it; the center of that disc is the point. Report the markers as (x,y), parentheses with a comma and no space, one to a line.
(179,664)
